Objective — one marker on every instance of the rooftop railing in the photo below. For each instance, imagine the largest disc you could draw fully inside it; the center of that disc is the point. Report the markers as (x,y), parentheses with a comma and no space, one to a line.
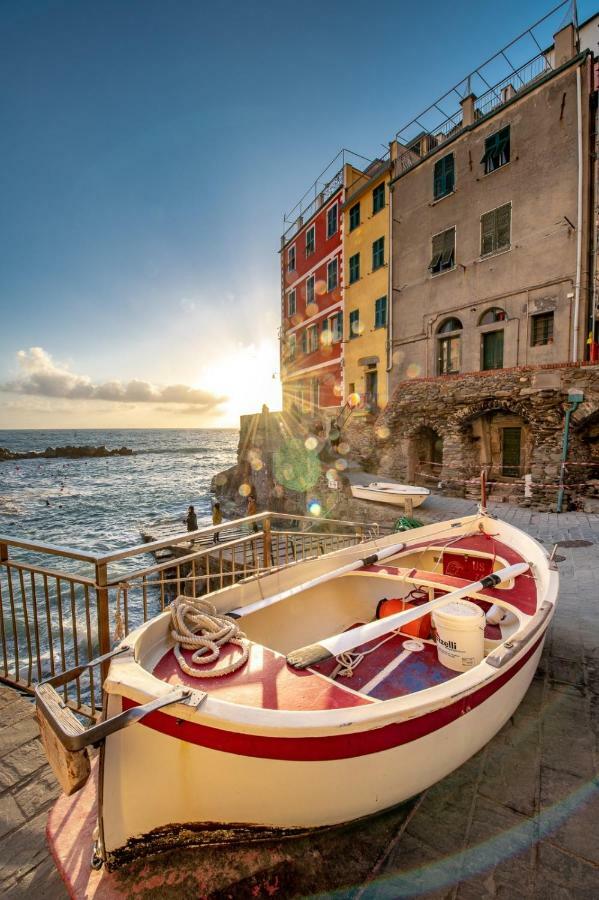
(61,607)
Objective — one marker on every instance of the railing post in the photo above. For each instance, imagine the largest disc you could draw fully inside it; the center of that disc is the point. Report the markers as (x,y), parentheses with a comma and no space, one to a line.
(104,640)
(267,544)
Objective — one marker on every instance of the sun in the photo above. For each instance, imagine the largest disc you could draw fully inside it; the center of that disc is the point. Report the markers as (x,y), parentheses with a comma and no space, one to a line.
(248,376)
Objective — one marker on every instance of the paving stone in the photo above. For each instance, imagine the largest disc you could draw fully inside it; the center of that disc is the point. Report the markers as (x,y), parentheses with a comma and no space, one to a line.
(42,881)
(511,770)
(570,812)
(38,794)
(17,734)
(10,814)
(24,849)
(562,876)
(21,763)
(501,852)
(414,868)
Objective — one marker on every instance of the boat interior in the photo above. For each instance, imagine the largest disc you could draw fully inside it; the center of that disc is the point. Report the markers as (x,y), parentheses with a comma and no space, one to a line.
(403,662)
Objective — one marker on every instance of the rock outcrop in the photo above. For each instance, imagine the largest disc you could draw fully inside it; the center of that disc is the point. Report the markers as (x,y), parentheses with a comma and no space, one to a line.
(68,452)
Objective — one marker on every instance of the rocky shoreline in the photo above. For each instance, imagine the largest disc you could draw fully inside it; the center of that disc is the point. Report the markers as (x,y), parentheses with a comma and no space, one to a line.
(68,452)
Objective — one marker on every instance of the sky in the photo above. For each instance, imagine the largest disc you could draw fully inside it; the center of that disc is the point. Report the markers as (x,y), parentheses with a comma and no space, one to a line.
(149,151)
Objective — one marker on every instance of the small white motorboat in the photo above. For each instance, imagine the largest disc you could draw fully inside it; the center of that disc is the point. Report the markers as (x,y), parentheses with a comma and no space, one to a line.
(390,492)
(362,678)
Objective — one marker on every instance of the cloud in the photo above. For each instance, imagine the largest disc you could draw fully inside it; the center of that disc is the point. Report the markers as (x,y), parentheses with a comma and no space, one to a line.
(40,376)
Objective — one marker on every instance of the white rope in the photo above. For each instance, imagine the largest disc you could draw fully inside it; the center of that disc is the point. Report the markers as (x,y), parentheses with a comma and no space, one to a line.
(348,661)
(197,626)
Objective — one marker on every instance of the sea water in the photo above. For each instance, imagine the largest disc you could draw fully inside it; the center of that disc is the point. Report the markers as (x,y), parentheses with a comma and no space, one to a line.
(106,503)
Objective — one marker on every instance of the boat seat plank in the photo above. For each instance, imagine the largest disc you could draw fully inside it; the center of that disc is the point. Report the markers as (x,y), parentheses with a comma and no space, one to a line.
(265,682)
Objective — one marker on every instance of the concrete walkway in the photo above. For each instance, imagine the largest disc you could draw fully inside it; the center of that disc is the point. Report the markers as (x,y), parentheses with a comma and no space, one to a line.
(519,820)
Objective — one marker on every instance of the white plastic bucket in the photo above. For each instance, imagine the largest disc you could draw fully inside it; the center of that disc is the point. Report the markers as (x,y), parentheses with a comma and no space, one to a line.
(460,634)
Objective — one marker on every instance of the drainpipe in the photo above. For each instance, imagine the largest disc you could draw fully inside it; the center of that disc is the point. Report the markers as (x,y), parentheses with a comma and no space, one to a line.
(575,325)
(575,398)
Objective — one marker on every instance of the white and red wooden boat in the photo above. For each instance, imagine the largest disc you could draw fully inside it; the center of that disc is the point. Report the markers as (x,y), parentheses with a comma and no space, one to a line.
(390,492)
(273,748)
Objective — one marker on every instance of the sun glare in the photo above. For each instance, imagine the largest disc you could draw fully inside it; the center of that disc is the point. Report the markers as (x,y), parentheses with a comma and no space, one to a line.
(248,376)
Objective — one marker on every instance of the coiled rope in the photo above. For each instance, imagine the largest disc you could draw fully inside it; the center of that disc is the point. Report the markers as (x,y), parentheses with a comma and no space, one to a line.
(196,625)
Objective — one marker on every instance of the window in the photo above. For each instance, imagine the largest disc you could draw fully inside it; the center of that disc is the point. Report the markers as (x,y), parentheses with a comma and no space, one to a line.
(310,240)
(354,216)
(332,220)
(448,347)
(542,329)
(492,350)
(312,331)
(495,230)
(291,259)
(310,290)
(291,307)
(354,323)
(305,340)
(354,268)
(380,312)
(497,150)
(511,449)
(378,198)
(332,275)
(378,253)
(492,315)
(292,347)
(443,252)
(443,178)
(337,322)
(315,392)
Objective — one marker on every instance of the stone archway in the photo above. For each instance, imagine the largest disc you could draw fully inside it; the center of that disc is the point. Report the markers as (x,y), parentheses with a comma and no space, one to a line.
(497,437)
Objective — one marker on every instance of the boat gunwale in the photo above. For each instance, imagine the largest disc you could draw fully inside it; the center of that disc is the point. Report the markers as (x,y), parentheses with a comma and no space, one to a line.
(230,716)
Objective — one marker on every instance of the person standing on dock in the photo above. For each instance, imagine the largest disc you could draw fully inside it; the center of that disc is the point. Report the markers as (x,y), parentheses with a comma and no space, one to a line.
(217,518)
(192,520)
(252,509)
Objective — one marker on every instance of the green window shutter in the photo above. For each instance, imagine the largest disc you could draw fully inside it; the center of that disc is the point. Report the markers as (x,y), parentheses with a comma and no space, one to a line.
(487,233)
(443,176)
(503,221)
(305,341)
(437,252)
(447,258)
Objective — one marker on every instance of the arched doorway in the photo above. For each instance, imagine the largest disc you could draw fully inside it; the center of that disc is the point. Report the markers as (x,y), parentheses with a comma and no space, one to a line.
(499,440)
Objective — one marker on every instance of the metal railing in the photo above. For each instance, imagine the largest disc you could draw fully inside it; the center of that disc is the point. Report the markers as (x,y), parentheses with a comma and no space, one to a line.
(61,607)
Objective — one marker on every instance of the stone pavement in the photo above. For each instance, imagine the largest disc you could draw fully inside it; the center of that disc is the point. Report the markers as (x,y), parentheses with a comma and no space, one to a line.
(518,820)
(27,790)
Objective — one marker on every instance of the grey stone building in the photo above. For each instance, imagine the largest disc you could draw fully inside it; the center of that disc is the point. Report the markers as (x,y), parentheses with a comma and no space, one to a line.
(493,281)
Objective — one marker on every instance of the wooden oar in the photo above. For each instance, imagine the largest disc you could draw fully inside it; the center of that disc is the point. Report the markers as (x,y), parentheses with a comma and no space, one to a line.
(349,640)
(320,579)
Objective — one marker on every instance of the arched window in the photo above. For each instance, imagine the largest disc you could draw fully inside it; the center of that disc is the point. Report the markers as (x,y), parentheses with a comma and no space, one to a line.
(492,315)
(448,347)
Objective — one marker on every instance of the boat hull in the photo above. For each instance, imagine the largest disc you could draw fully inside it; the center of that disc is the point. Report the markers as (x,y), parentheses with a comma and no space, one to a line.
(227,784)
(394,499)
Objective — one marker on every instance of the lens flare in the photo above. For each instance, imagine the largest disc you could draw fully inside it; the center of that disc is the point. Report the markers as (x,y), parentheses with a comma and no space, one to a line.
(311,443)
(320,287)
(414,370)
(245,489)
(337,389)
(341,465)
(354,400)
(343,448)
(311,309)
(382,432)
(314,508)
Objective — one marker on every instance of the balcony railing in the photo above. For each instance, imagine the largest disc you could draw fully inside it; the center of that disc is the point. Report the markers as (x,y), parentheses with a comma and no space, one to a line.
(61,608)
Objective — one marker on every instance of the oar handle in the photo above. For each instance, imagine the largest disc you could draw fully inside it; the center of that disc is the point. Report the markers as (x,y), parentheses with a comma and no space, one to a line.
(370,560)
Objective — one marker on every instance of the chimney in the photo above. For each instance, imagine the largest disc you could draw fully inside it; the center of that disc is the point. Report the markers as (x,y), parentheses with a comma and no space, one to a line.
(565,45)
(467,105)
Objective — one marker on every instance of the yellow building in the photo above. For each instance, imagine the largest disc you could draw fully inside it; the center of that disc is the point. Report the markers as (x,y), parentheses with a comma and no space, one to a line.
(366,284)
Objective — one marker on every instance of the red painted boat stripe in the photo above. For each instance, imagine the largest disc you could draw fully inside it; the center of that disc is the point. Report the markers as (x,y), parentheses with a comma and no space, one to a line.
(337,746)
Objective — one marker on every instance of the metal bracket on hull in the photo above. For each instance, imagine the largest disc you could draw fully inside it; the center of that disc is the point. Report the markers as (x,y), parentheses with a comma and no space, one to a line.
(511,648)
(64,737)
